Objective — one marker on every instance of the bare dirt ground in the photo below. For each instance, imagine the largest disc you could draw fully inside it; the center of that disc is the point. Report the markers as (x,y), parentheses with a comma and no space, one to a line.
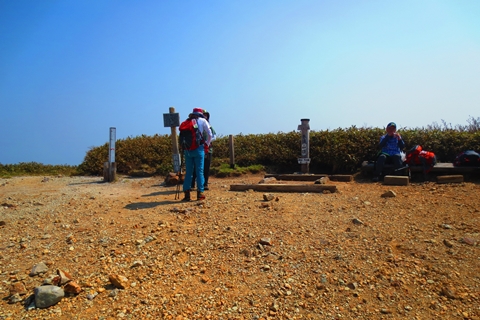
(352,254)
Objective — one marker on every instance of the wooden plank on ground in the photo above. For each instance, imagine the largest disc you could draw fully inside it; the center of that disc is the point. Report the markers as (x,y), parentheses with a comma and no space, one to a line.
(284,187)
(458,178)
(310,177)
(296,177)
(445,167)
(396,180)
(341,177)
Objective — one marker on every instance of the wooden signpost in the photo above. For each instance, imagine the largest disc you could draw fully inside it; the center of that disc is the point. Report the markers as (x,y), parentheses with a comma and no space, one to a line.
(172,120)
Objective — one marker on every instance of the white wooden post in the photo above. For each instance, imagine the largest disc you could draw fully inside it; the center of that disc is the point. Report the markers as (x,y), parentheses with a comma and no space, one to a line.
(112,168)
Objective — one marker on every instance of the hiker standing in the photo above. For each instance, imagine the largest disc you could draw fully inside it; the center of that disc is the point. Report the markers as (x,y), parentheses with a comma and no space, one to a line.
(208,155)
(192,142)
(391,144)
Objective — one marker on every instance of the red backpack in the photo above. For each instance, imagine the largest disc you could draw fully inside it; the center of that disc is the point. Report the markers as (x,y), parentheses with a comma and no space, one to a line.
(419,157)
(190,137)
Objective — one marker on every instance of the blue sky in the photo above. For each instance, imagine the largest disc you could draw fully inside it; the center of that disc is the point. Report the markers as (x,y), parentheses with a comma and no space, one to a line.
(70,70)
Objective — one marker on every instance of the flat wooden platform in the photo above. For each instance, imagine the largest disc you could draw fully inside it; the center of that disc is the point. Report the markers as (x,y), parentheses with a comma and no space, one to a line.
(441,167)
(284,187)
(310,177)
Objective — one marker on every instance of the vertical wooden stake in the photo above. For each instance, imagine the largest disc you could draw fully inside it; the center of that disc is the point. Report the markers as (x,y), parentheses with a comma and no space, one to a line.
(176,154)
(231,148)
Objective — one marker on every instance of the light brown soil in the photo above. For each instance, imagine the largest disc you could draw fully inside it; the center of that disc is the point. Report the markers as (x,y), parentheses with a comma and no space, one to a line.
(413,256)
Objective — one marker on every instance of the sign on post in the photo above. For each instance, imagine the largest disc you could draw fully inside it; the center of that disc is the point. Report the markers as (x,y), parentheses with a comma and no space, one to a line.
(172,120)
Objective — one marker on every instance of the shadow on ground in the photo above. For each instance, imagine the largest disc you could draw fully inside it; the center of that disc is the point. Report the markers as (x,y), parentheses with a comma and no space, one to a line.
(149,205)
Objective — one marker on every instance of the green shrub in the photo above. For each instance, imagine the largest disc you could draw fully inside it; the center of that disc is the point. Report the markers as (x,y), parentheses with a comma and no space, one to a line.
(331,151)
(35,168)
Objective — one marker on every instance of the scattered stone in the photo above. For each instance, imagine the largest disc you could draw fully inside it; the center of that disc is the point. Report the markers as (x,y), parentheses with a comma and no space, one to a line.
(18,288)
(467,240)
(322,180)
(14,298)
(51,279)
(267,180)
(268,197)
(448,292)
(446,226)
(173,179)
(448,243)
(2,223)
(92,295)
(149,239)
(385,311)
(266,241)
(46,296)
(352,285)
(118,281)
(45,179)
(179,210)
(389,194)
(137,263)
(72,287)
(358,222)
(8,205)
(39,268)
(65,277)
(29,303)
(113,293)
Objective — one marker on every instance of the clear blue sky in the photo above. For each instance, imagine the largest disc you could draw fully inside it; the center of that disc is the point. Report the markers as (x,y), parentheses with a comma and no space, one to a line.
(70,70)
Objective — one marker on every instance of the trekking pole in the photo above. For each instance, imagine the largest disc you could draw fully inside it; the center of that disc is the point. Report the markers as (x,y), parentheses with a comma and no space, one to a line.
(177,190)
(179,173)
(406,167)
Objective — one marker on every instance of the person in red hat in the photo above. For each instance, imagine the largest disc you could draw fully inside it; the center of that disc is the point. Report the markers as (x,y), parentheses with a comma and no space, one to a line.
(391,144)
(195,153)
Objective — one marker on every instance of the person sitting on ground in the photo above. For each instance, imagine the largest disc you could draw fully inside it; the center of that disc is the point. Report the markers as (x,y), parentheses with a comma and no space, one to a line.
(391,144)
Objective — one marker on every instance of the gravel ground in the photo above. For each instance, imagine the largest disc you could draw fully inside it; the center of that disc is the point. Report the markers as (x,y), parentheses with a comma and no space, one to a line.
(352,254)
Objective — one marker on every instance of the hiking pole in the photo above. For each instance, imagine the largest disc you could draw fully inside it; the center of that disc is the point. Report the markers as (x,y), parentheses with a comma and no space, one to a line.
(177,190)
(179,173)
(406,167)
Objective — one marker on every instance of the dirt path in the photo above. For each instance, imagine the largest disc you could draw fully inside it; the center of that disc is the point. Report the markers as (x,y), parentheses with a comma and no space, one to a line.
(352,254)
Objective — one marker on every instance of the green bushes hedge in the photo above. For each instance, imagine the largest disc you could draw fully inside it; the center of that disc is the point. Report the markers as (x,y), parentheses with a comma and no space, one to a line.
(35,168)
(331,151)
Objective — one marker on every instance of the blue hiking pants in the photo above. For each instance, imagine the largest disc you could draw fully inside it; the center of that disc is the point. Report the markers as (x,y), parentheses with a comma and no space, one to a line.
(382,159)
(194,159)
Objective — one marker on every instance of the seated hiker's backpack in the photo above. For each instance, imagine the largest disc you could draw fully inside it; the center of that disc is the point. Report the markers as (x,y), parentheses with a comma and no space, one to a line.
(467,158)
(190,137)
(419,157)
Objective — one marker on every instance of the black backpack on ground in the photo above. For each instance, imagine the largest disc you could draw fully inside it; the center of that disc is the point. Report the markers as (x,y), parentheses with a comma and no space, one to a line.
(467,158)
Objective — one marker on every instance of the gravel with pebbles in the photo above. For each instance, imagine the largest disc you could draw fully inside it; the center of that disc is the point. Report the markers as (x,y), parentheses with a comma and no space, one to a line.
(352,254)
